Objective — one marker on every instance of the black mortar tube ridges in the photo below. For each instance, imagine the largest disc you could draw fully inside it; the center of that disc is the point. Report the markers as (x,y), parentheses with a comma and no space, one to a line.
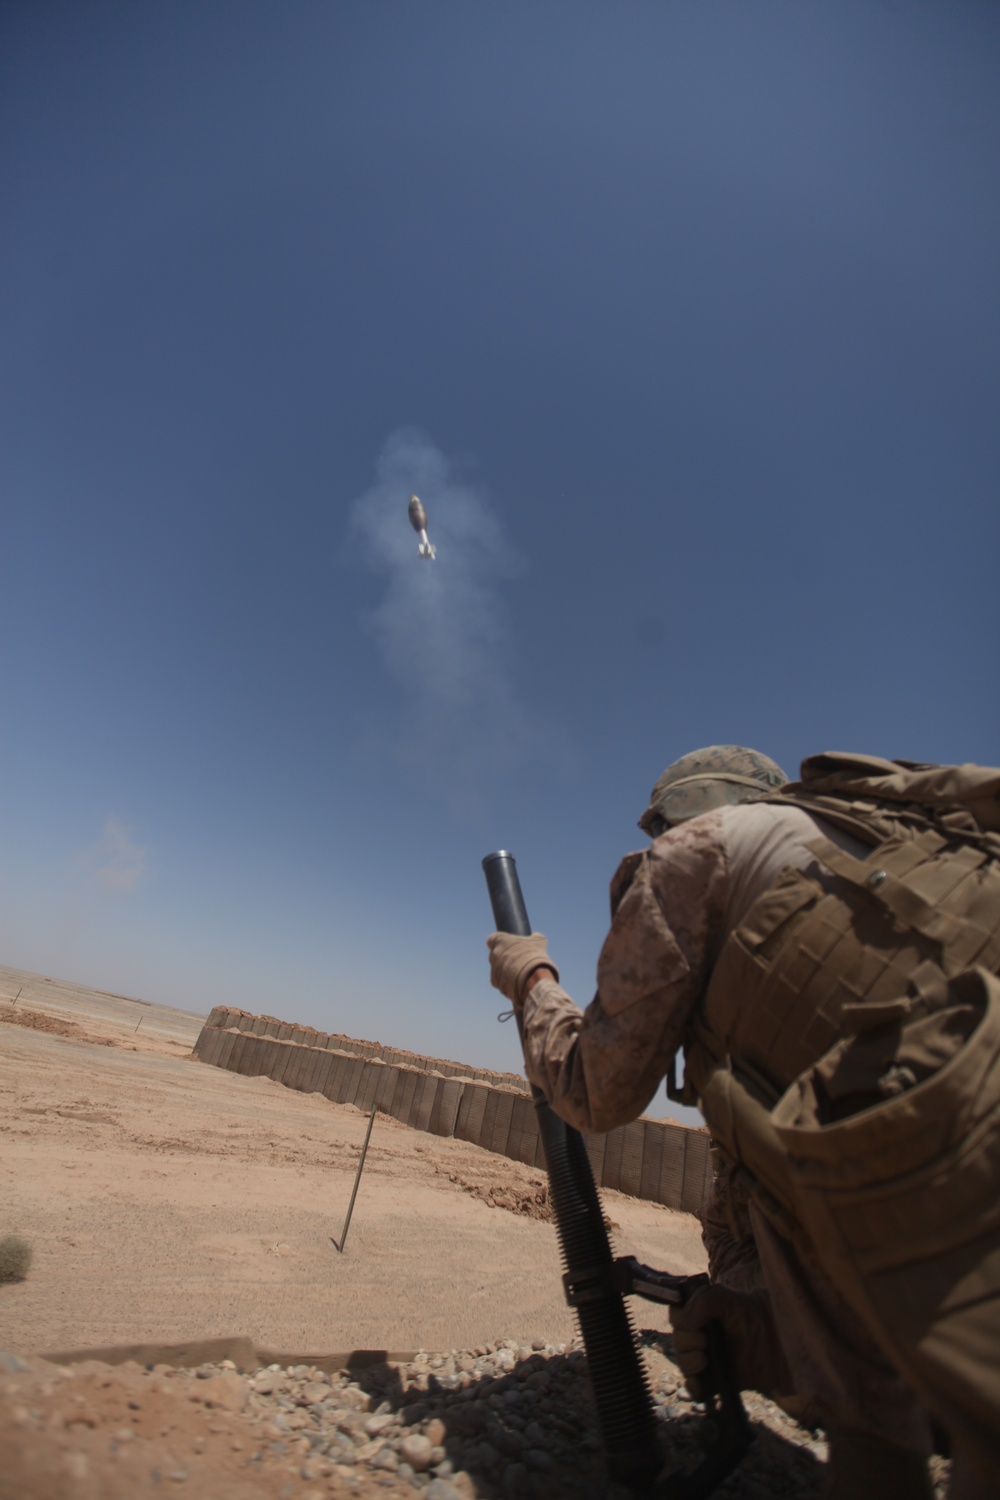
(621,1393)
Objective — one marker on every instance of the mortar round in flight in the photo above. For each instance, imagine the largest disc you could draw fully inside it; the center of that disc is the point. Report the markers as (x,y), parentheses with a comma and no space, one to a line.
(417,514)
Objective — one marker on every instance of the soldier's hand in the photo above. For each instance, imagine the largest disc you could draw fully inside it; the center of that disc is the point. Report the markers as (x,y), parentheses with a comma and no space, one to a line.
(513,960)
(754,1346)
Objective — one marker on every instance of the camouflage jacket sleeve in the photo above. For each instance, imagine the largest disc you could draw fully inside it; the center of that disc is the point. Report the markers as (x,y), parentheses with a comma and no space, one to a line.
(601,1067)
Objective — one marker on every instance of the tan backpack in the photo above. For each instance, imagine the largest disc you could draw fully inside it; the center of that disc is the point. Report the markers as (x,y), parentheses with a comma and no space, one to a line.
(852,790)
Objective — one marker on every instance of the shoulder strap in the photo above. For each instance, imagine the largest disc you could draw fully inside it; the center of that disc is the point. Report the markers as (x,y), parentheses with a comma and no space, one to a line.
(865,818)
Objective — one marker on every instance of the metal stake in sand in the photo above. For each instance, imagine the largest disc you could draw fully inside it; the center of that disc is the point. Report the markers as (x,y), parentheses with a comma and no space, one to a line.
(357,1178)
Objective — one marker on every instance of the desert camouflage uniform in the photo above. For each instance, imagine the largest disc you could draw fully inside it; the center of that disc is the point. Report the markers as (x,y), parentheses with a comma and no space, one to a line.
(673,907)
(726,1230)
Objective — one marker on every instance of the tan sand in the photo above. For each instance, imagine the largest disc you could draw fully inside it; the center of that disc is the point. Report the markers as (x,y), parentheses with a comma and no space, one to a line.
(167,1200)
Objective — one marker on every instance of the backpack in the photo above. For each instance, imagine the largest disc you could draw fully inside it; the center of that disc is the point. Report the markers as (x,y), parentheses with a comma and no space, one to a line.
(872,797)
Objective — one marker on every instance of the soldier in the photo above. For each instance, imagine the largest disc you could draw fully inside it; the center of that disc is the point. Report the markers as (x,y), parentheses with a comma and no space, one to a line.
(824,953)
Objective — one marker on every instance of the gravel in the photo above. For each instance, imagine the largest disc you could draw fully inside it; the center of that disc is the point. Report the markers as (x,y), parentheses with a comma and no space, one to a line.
(496,1421)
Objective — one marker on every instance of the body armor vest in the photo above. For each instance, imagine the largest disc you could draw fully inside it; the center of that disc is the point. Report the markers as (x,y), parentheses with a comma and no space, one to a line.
(847,1059)
(813,962)
(876,943)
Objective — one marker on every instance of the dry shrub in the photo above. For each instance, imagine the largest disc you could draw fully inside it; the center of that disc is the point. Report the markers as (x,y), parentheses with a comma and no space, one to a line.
(15,1258)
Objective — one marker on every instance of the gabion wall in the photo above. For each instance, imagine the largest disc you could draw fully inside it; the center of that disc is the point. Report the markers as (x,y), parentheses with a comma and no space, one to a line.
(665,1163)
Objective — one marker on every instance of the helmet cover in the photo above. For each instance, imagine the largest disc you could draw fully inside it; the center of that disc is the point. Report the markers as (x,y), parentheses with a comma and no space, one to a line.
(718,776)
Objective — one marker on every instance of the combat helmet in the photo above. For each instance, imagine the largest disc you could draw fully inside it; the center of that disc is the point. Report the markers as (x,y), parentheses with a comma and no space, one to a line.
(717,776)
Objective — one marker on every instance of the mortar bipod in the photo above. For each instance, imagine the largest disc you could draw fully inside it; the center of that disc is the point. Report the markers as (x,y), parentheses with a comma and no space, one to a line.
(722,1395)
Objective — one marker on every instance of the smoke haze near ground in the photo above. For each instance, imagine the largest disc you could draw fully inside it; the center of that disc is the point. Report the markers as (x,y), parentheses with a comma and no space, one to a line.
(443,630)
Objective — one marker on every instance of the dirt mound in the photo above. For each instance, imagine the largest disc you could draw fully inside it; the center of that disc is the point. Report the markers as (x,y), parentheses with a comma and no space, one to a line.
(531,1201)
(35,1020)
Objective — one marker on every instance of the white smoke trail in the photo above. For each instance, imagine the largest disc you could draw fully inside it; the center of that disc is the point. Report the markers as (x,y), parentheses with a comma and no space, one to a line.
(119,863)
(441,628)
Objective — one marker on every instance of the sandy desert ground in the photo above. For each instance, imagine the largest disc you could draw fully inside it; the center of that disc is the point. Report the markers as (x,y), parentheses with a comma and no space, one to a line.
(171,1203)
(168,1201)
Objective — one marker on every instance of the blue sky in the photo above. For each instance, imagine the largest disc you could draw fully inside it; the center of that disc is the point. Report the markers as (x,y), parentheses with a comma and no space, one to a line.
(682,319)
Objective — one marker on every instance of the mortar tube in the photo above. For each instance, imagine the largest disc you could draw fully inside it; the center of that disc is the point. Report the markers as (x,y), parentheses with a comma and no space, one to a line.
(621,1391)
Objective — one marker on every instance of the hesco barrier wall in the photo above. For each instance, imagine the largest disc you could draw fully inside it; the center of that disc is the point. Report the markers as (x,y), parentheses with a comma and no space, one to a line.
(308,1036)
(654,1159)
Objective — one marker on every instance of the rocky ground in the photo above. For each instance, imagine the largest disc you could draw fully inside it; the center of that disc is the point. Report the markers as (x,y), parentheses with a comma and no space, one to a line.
(505,1420)
(497,1421)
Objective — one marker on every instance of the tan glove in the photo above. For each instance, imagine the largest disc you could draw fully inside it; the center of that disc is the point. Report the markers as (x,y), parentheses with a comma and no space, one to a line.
(865,1467)
(754,1347)
(514,959)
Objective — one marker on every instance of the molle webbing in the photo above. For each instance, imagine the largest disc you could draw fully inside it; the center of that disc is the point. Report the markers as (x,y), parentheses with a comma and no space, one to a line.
(951,900)
(920,908)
